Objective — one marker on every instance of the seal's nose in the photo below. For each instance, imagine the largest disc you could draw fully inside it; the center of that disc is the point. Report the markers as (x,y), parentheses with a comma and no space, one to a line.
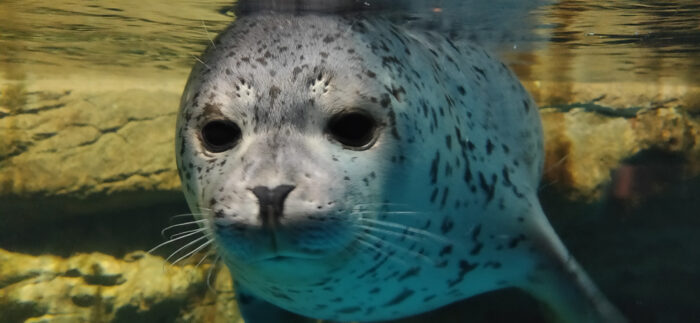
(271,203)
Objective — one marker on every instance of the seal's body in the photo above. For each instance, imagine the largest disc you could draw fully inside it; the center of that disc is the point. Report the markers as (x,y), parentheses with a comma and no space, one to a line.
(353,170)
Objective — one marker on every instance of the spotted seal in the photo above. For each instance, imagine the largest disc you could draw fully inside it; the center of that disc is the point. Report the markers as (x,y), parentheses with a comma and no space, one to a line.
(348,168)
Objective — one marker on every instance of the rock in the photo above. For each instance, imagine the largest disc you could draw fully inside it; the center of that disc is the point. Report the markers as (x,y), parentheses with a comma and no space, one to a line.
(70,144)
(614,95)
(100,288)
(219,305)
(584,146)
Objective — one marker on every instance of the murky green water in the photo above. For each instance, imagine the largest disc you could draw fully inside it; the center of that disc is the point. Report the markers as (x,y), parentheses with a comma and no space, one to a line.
(646,40)
(89,92)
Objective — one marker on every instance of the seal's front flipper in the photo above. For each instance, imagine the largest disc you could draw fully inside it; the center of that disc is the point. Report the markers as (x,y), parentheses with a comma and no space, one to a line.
(256,310)
(560,283)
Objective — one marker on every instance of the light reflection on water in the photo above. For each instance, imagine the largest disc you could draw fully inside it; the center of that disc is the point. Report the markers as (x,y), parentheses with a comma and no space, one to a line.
(106,35)
(624,40)
(613,40)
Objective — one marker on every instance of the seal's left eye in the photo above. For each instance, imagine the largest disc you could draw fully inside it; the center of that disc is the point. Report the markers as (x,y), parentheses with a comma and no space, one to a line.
(220,135)
(354,130)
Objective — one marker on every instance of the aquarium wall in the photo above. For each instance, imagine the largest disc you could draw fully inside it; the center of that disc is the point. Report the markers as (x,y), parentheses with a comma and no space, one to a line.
(89,94)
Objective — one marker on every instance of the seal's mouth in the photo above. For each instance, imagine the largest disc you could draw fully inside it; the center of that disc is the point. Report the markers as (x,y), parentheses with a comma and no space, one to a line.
(298,239)
(283,258)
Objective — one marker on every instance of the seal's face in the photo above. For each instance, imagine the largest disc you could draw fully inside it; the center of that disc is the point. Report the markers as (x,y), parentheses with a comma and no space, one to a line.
(282,149)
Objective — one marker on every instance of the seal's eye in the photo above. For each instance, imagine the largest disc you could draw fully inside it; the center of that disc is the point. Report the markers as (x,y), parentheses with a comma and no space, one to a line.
(220,135)
(355,130)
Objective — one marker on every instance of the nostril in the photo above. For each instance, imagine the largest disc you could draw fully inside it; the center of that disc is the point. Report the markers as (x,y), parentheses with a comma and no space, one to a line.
(271,202)
(277,194)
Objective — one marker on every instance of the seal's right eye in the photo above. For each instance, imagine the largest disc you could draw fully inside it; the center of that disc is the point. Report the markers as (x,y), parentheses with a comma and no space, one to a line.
(220,135)
(354,130)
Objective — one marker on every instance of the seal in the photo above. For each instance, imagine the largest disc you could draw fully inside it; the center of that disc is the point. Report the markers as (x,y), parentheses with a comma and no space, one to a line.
(348,168)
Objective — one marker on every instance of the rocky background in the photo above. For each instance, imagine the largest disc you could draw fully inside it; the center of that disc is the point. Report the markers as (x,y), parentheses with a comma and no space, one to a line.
(87,180)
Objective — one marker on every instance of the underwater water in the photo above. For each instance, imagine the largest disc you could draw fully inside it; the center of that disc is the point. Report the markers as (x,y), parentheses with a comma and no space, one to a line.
(89,94)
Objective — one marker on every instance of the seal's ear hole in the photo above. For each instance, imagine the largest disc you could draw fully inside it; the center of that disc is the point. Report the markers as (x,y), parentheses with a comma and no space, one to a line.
(220,135)
(355,129)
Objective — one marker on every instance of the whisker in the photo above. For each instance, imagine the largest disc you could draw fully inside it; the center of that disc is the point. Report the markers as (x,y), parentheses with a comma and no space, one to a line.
(209,253)
(183,215)
(187,232)
(417,255)
(556,164)
(388,255)
(380,204)
(199,60)
(404,227)
(162,232)
(207,33)
(378,250)
(410,252)
(211,269)
(390,212)
(187,246)
(171,241)
(394,233)
(204,245)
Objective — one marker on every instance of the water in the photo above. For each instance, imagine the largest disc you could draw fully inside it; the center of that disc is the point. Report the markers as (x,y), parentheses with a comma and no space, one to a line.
(88,96)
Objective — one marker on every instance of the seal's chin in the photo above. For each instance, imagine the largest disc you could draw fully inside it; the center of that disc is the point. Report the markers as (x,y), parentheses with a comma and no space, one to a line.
(292,244)
(286,265)
(285,256)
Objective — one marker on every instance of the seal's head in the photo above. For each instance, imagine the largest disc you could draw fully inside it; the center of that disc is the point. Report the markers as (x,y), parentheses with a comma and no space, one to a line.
(286,140)
(353,170)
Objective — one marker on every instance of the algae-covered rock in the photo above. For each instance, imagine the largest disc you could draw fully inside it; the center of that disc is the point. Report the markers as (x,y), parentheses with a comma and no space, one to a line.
(71,144)
(584,145)
(100,288)
(76,144)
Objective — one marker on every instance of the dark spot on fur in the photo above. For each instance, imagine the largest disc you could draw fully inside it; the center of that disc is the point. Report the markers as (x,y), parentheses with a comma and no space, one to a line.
(295,73)
(385,100)
(445,191)
(480,71)
(506,176)
(447,225)
(492,264)
(515,241)
(212,111)
(488,188)
(348,310)
(464,268)
(476,249)
(409,273)
(433,195)
(402,296)
(446,250)
(489,146)
(434,168)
